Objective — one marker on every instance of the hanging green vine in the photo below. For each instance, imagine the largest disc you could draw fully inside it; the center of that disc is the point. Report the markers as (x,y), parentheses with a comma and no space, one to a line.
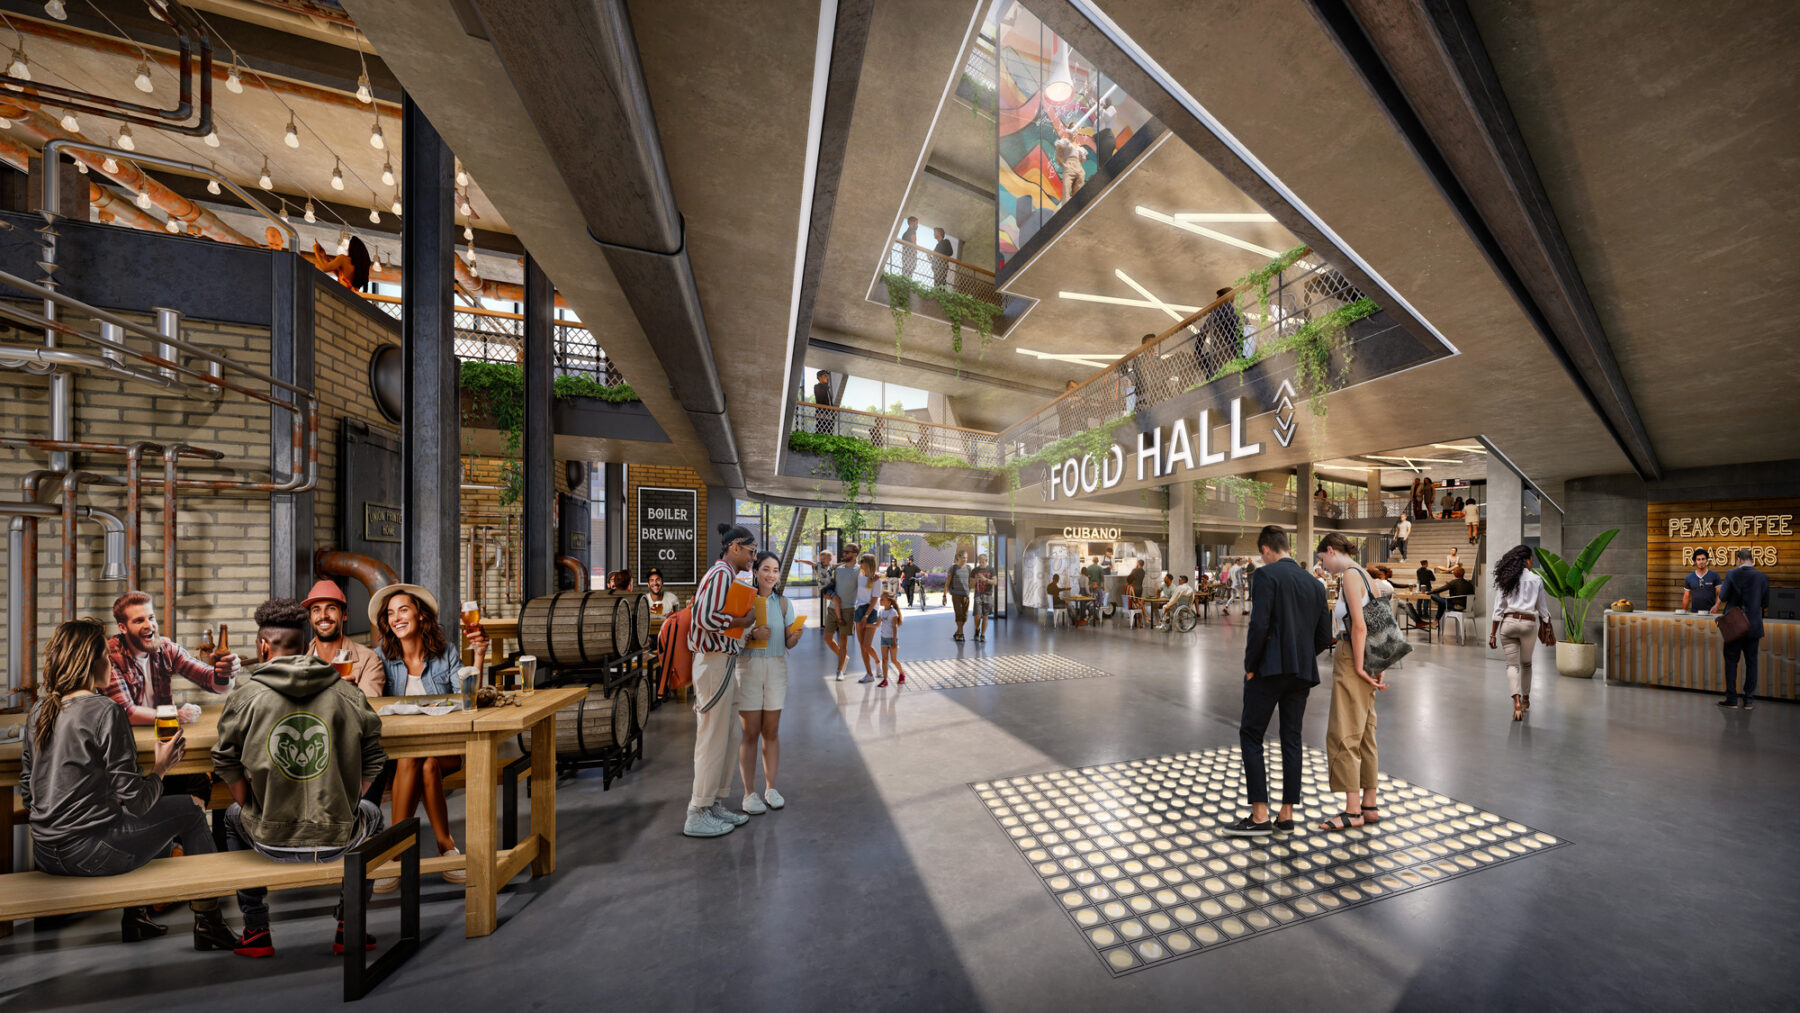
(1238,488)
(1314,346)
(981,95)
(959,309)
(855,463)
(498,389)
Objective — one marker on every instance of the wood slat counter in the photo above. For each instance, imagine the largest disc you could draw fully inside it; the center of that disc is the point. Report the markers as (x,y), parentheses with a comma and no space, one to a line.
(1683,650)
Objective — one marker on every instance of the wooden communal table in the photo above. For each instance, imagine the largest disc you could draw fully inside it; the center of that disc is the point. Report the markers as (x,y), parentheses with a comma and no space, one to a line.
(475,736)
(1683,651)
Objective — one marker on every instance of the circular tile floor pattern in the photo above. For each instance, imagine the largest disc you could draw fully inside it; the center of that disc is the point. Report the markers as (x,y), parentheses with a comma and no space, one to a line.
(1133,851)
(997,670)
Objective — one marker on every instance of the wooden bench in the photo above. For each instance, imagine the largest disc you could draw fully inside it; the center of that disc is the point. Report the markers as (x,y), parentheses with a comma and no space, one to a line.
(393,852)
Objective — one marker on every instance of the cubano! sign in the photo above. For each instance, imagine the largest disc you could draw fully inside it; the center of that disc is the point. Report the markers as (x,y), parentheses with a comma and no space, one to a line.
(1167,451)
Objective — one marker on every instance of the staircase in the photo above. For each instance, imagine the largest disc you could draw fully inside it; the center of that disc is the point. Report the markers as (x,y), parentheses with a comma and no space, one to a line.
(1433,540)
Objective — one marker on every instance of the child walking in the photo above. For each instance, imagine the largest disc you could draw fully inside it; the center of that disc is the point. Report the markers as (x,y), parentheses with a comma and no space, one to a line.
(889,620)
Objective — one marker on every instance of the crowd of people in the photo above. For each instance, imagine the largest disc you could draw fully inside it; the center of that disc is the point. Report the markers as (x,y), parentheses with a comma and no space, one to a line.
(298,746)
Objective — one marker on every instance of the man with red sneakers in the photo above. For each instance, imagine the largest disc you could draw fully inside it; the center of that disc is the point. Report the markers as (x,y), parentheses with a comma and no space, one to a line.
(297,746)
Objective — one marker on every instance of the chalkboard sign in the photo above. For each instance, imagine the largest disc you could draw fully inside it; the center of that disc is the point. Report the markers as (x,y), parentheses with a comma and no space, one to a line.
(668,534)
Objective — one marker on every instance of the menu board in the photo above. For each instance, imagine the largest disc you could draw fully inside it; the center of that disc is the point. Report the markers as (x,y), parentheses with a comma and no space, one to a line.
(1769,528)
(668,534)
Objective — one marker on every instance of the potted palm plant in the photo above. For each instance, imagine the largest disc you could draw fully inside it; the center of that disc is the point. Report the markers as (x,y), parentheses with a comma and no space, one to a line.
(1575,587)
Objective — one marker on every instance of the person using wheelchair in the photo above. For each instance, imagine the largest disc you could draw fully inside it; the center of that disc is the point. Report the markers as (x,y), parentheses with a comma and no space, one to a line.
(1181,596)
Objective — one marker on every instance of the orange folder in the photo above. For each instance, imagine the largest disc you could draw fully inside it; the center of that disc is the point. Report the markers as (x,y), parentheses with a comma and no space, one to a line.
(739,599)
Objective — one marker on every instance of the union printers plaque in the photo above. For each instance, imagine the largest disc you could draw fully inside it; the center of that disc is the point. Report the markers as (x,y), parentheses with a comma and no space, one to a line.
(668,534)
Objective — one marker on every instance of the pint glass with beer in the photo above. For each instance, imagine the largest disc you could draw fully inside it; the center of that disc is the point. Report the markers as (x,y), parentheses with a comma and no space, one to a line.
(342,663)
(168,721)
(527,674)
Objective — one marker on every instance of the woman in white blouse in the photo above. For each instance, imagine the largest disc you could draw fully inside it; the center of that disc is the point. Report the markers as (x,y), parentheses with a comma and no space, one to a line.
(1521,615)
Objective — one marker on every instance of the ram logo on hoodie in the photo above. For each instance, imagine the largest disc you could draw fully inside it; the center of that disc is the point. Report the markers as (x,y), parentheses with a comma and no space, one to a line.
(300,746)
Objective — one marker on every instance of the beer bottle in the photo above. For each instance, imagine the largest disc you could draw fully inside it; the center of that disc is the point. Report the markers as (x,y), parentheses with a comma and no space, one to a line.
(224,643)
(206,645)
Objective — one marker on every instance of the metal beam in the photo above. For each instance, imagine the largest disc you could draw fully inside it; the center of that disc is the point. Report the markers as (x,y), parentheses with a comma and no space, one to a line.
(616,519)
(432,461)
(290,359)
(539,519)
(1424,63)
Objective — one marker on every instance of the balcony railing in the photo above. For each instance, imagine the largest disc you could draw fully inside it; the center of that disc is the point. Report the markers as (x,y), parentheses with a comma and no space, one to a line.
(1186,355)
(928,267)
(932,439)
(485,335)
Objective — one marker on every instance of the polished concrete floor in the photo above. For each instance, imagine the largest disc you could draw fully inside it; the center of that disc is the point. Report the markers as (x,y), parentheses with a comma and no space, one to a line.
(887,882)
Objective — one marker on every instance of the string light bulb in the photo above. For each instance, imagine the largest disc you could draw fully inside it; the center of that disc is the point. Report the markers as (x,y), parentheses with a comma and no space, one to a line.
(212,187)
(142,81)
(81,167)
(387,173)
(376,140)
(70,123)
(5,124)
(283,213)
(380,260)
(462,174)
(234,81)
(263,179)
(337,174)
(109,165)
(291,137)
(126,141)
(172,225)
(463,207)
(20,67)
(212,138)
(56,9)
(308,213)
(343,245)
(142,199)
(374,215)
(468,234)
(395,206)
(364,93)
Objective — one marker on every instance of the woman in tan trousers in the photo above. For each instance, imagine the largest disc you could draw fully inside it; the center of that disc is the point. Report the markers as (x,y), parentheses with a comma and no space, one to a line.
(1350,731)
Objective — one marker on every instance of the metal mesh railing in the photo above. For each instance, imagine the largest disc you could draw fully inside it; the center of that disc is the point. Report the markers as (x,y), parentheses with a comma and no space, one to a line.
(928,267)
(976,447)
(1187,355)
(484,335)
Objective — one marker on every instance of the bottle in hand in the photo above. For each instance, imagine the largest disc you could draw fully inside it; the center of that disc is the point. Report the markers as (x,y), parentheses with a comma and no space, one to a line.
(168,720)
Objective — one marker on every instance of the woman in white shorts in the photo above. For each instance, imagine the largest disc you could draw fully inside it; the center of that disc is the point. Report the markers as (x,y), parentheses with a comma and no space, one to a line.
(762,688)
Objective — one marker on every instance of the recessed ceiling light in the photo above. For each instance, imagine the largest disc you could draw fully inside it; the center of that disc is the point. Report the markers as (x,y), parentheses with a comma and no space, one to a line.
(1096,361)
(1474,448)
(1120,274)
(1218,217)
(1113,300)
(1198,230)
(1409,460)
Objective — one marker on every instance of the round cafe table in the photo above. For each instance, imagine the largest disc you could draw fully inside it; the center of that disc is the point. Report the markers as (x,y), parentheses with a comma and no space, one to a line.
(1083,606)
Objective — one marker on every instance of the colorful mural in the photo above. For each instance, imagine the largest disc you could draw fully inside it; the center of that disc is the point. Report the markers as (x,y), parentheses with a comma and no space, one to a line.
(1059,119)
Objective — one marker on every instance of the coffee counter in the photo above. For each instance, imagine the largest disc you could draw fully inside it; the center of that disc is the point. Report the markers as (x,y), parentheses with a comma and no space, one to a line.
(1683,650)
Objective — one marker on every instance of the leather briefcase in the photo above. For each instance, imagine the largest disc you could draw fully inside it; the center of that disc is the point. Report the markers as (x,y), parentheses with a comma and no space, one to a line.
(1734,625)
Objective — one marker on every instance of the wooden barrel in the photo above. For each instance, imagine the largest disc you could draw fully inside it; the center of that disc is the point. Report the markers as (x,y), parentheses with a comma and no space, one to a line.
(591,726)
(642,638)
(576,628)
(641,691)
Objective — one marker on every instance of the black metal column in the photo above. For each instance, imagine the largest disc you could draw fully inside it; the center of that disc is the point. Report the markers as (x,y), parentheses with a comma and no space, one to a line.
(290,359)
(540,480)
(432,461)
(617,517)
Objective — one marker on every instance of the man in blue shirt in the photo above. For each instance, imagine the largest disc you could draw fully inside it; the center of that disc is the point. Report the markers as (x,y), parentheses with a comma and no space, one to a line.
(1748,588)
(1701,588)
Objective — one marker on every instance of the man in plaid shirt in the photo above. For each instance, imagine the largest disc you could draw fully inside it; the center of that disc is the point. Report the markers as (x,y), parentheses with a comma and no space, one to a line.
(143,664)
(714,694)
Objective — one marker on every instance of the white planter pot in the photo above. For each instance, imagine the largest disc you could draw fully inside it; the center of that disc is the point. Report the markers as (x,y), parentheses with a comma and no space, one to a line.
(1577,661)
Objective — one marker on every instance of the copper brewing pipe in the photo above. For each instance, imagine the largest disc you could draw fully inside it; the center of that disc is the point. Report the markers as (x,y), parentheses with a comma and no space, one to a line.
(134,508)
(170,455)
(111,205)
(71,485)
(15,154)
(371,573)
(573,565)
(29,610)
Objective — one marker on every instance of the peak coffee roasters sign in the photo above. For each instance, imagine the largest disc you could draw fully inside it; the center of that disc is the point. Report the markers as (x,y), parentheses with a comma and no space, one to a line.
(1167,451)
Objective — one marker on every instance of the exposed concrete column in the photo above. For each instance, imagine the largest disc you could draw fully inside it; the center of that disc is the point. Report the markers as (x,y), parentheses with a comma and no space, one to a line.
(539,520)
(1374,497)
(1181,529)
(613,555)
(1306,535)
(1503,514)
(432,462)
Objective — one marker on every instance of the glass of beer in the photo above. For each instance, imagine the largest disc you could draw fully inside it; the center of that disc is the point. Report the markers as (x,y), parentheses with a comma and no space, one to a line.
(168,721)
(527,674)
(471,614)
(342,663)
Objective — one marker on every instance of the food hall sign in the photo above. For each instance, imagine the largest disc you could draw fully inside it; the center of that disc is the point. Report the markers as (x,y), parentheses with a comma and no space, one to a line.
(1093,534)
(1164,452)
(668,533)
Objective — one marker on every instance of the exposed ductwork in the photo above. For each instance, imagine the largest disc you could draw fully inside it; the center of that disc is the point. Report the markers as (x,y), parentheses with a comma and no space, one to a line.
(112,207)
(576,570)
(609,152)
(371,573)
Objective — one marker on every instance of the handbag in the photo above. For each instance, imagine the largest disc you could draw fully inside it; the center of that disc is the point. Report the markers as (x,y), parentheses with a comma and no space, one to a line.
(1383,644)
(1734,624)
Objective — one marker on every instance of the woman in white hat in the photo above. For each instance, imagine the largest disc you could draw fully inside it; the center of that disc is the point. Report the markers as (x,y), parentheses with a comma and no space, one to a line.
(420,660)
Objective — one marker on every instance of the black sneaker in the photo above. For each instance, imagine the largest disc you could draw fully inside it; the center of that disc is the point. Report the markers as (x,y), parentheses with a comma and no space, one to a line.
(1284,826)
(1728,703)
(337,945)
(1247,827)
(256,943)
(1747,704)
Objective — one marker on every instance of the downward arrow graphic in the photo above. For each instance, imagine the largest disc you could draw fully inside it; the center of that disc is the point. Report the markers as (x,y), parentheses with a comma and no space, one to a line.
(1285,423)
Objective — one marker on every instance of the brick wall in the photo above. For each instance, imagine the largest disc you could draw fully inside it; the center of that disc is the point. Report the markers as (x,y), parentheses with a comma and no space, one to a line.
(345,337)
(669,478)
(497,529)
(222,563)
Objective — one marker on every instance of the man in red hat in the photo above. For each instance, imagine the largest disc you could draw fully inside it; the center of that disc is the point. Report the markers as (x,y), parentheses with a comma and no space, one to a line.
(325,608)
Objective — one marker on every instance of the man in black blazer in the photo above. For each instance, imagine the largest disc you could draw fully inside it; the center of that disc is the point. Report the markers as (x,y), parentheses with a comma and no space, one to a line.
(1288,623)
(1748,588)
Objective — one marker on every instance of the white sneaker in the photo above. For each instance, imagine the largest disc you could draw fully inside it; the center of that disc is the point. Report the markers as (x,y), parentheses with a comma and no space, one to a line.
(754,805)
(388,885)
(457,876)
(774,799)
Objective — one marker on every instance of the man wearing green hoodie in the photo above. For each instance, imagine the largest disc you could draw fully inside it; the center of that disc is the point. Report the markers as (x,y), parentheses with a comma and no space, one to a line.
(298,747)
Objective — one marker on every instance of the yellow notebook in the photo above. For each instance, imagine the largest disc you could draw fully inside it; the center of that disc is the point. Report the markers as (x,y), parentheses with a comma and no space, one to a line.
(761,611)
(739,599)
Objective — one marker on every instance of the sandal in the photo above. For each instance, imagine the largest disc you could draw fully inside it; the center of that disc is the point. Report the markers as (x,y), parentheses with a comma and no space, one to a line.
(1518,709)
(1370,815)
(1342,821)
